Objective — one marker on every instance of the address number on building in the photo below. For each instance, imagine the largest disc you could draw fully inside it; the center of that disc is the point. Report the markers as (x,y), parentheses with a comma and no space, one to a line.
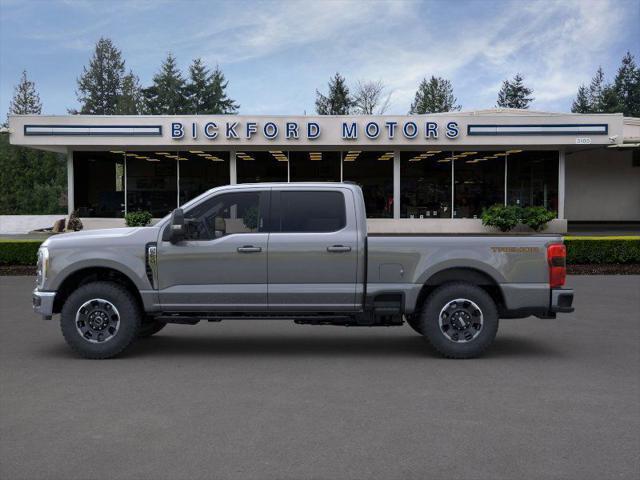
(583,141)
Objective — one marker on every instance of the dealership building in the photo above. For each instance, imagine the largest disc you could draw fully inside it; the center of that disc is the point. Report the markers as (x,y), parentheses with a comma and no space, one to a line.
(422,173)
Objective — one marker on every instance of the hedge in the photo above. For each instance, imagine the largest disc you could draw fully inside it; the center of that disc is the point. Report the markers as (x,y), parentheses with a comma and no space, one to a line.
(580,250)
(19,252)
(602,250)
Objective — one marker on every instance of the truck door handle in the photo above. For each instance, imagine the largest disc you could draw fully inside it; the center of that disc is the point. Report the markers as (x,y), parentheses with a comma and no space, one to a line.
(249,249)
(339,248)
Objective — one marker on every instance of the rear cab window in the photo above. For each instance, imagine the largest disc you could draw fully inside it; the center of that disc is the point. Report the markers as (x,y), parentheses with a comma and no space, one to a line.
(317,211)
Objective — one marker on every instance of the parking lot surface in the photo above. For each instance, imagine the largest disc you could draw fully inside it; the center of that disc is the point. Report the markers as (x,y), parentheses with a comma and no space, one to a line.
(273,400)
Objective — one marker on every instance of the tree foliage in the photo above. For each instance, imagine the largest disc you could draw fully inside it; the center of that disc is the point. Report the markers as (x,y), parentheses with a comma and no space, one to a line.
(25,99)
(131,100)
(100,85)
(371,98)
(433,96)
(514,93)
(206,91)
(338,100)
(623,95)
(31,181)
(167,95)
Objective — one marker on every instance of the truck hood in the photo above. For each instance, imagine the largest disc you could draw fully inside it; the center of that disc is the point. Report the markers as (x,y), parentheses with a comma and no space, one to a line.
(107,236)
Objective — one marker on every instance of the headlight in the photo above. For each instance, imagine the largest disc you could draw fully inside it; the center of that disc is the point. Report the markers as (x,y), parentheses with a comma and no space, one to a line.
(42,267)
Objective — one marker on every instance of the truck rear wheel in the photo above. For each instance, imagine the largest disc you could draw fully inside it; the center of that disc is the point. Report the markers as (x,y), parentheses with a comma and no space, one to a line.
(100,320)
(460,320)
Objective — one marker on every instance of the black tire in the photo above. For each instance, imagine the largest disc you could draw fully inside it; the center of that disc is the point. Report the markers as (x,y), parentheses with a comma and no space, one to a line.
(149,327)
(101,299)
(414,322)
(469,326)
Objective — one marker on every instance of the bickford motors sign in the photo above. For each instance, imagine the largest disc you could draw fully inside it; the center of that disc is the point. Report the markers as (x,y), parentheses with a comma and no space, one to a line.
(310,130)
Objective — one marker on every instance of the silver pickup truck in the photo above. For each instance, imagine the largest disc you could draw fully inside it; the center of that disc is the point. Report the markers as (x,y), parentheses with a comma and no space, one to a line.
(298,251)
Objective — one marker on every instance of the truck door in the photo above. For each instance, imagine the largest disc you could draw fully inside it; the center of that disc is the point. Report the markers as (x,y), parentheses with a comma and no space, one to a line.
(313,250)
(222,263)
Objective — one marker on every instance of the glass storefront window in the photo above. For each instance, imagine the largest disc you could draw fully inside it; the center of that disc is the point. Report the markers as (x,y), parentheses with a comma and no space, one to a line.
(152,182)
(200,171)
(315,166)
(99,184)
(259,166)
(532,178)
(425,184)
(373,171)
(478,182)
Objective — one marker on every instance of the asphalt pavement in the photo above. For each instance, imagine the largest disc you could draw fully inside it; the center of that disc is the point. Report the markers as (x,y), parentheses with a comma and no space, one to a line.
(273,400)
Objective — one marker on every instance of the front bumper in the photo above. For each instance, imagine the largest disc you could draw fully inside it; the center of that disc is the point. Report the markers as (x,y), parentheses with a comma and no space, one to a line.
(43,303)
(562,300)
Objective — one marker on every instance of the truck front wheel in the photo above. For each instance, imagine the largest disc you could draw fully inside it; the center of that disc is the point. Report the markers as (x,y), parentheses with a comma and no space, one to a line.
(460,320)
(100,320)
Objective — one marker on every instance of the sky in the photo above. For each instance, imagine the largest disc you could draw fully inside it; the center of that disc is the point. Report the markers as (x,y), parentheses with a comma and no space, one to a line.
(275,54)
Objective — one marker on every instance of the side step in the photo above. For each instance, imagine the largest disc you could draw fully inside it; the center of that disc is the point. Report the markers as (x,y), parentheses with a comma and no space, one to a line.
(358,320)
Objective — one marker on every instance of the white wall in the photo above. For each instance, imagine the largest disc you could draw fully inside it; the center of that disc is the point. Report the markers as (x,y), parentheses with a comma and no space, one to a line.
(602,185)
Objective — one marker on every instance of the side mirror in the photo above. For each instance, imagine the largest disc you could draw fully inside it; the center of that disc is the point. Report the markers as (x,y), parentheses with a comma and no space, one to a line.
(176,227)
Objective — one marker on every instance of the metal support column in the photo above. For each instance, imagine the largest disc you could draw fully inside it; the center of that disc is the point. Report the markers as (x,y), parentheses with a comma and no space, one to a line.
(233,172)
(561,177)
(70,183)
(396,184)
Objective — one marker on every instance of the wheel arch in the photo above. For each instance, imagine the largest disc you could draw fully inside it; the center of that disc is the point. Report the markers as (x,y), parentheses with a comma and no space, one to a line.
(461,274)
(86,275)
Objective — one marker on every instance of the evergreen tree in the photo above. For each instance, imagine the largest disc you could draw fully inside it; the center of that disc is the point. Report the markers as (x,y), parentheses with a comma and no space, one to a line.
(219,102)
(206,91)
(167,95)
(196,89)
(581,104)
(514,94)
(25,99)
(130,101)
(627,86)
(338,101)
(596,91)
(31,181)
(100,85)
(433,96)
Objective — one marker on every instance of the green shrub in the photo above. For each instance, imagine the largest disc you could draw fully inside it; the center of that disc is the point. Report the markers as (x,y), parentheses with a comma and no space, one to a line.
(138,219)
(19,252)
(499,216)
(508,217)
(602,250)
(536,217)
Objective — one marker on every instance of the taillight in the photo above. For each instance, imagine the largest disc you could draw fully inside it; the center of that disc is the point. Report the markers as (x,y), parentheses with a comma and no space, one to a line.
(557,258)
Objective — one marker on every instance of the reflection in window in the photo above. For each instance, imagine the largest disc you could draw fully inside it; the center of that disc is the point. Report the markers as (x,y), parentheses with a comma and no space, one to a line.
(373,171)
(201,171)
(315,166)
(99,184)
(532,178)
(254,167)
(152,182)
(478,182)
(425,184)
(224,214)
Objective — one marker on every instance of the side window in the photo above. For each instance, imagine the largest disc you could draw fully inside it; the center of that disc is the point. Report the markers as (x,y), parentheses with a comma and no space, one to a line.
(224,214)
(312,211)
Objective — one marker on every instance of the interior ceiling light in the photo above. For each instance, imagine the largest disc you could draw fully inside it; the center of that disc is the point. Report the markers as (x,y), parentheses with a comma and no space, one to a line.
(196,151)
(444,160)
(162,153)
(116,151)
(152,160)
(514,151)
(500,154)
(131,154)
(141,157)
(434,151)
